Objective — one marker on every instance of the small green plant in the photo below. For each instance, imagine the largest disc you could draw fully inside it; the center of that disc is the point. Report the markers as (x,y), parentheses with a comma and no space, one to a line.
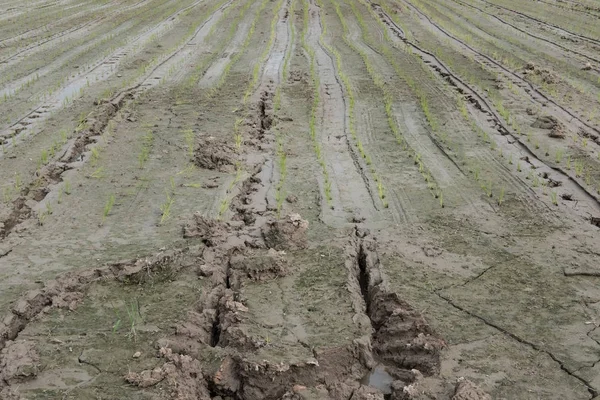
(189,141)
(44,157)
(18,182)
(67,186)
(553,197)
(519,166)
(98,173)
(501,196)
(558,156)
(108,207)
(165,209)
(579,168)
(95,156)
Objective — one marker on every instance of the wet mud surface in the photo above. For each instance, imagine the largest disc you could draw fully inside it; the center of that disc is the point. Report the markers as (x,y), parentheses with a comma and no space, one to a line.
(299,199)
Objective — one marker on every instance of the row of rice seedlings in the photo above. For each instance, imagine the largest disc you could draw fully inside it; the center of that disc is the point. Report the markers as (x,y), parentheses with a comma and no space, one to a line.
(233,28)
(387,96)
(281,154)
(240,52)
(265,53)
(312,123)
(351,108)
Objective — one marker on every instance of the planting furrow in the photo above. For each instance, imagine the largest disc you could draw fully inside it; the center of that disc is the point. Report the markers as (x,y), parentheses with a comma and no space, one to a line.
(559,30)
(507,141)
(40,30)
(439,173)
(10,89)
(230,45)
(71,33)
(348,189)
(183,60)
(98,72)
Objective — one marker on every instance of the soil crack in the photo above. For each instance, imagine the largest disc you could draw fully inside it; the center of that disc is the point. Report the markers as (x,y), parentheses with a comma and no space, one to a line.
(593,391)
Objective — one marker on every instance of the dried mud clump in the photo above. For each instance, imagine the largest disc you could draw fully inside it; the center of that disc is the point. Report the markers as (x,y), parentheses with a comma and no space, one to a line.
(286,234)
(546,75)
(209,230)
(213,153)
(260,266)
(182,373)
(557,130)
(467,390)
(19,361)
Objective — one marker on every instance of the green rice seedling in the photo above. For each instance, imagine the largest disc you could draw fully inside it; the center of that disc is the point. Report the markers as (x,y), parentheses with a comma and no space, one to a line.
(6,194)
(42,218)
(476,173)
(14,141)
(510,160)
(224,205)
(518,166)
(489,188)
(134,317)
(558,156)
(441,198)
(44,157)
(189,141)
(108,207)
(95,156)
(63,137)
(537,144)
(501,196)
(165,209)
(18,182)
(536,181)
(554,198)
(98,173)
(588,177)
(569,162)
(579,168)
(67,186)
(48,208)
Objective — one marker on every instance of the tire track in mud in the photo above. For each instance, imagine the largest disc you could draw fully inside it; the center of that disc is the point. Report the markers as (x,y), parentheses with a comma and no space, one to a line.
(481,105)
(102,70)
(551,42)
(351,195)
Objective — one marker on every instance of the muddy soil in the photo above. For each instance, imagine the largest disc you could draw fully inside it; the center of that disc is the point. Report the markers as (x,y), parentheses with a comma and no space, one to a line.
(299,199)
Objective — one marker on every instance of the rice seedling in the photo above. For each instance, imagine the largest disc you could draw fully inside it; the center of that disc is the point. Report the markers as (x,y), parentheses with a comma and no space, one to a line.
(554,198)
(67,186)
(165,209)
(107,208)
(501,196)
(189,141)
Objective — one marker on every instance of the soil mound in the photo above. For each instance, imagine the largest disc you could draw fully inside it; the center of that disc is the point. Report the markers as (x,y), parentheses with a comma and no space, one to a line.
(467,390)
(557,130)
(286,234)
(215,154)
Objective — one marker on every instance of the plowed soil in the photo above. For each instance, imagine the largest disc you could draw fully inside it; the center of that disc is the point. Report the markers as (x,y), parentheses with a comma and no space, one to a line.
(299,199)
